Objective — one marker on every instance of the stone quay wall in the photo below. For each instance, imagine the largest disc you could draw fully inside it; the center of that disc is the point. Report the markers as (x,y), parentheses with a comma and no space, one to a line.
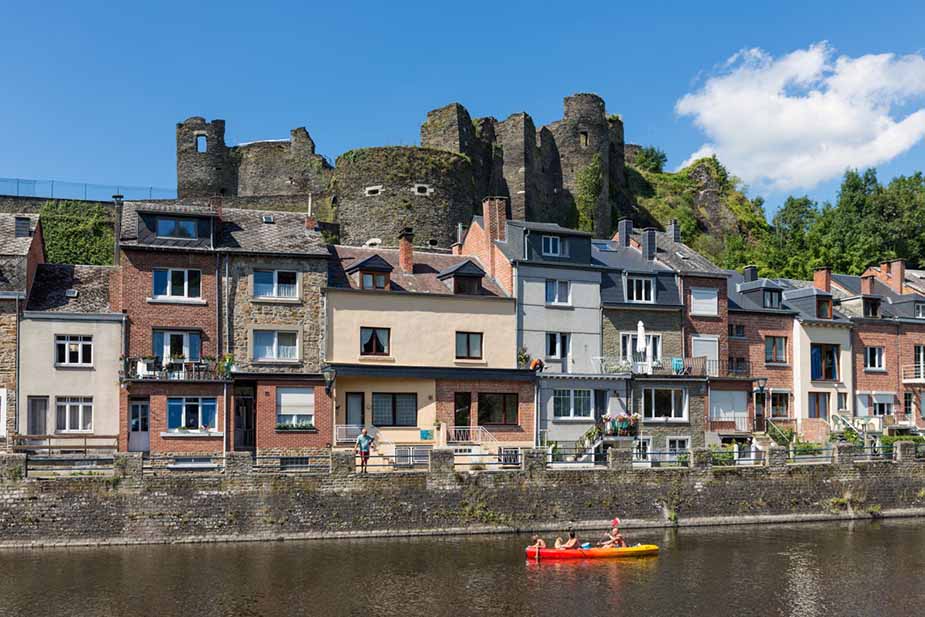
(237,503)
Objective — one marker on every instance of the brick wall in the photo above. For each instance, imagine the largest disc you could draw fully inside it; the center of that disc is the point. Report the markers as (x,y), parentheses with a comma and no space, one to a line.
(757,327)
(524,431)
(34,257)
(493,261)
(885,335)
(910,336)
(271,442)
(706,325)
(156,393)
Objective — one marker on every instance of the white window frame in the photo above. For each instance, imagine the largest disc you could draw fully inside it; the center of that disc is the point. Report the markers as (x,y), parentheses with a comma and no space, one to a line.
(772,293)
(642,455)
(189,399)
(628,346)
(559,336)
(874,359)
(276,357)
(165,350)
(705,311)
(84,405)
(629,282)
(879,408)
(570,394)
(300,417)
(674,454)
(275,295)
(919,310)
(557,296)
(650,391)
(552,240)
(168,295)
(80,340)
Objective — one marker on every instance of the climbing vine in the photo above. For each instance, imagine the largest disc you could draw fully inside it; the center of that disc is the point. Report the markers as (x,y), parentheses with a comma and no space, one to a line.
(589,183)
(77,233)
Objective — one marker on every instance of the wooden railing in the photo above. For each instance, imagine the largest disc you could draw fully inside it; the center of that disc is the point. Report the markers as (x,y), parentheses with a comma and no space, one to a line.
(85,443)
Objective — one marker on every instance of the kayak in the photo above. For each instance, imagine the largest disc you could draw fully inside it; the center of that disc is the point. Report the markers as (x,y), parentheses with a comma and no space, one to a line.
(640,550)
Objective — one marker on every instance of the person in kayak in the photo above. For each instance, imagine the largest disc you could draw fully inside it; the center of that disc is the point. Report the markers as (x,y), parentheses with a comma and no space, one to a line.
(571,543)
(363,444)
(614,537)
(538,542)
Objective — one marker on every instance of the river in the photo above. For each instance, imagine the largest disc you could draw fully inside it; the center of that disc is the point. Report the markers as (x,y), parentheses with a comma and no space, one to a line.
(842,569)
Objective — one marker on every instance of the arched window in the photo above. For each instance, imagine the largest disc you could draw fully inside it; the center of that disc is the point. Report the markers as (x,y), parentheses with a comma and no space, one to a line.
(202,144)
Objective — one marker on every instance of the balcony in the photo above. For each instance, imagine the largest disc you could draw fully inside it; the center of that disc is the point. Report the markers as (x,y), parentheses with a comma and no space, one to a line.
(733,423)
(153,369)
(639,364)
(914,374)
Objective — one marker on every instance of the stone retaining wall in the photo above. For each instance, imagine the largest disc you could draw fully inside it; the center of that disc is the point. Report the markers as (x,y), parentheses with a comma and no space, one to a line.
(136,506)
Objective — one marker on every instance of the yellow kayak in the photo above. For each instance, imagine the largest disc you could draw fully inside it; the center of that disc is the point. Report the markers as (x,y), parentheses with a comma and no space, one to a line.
(640,550)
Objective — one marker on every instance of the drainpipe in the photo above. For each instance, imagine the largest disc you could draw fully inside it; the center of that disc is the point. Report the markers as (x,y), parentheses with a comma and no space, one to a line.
(18,390)
(220,302)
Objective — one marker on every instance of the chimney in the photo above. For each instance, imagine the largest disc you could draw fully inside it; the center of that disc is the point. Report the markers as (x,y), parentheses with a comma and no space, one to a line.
(894,274)
(624,231)
(311,223)
(494,211)
(216,204)
(867,285)
(674,230)
(750,273)
(822,279)
(117,227)
(648,243)
(406,250)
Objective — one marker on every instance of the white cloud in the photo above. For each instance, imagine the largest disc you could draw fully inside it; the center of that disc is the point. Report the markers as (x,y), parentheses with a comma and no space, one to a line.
(797,120)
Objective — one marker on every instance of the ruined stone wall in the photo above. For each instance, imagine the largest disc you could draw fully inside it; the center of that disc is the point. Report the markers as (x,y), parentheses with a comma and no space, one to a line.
(281,167)
(243,504)
(202,174)
(383,190)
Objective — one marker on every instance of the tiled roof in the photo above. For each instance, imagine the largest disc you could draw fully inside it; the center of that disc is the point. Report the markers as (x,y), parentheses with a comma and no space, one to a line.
(423,279)
(52,281)
(10,243)
(12,273)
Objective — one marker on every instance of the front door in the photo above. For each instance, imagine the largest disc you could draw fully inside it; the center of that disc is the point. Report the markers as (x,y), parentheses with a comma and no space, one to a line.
(38,414)
(138,436)
(463,405)
(245,423)
(355,408)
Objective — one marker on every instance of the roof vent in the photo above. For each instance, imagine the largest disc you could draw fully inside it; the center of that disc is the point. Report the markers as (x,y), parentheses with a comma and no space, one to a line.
(680,254)
(373,242)
(70,293)
(23,227)
(267,218)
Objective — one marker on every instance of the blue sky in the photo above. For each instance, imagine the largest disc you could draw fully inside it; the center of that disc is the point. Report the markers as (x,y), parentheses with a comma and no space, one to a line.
(93,90)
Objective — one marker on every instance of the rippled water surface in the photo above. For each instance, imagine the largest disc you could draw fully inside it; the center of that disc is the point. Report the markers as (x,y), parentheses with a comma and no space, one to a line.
(830,569)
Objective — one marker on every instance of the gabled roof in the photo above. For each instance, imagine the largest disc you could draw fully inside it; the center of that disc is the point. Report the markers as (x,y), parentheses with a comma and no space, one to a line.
(89,286)
(678,256)
(552,228)
(12,243)
(749,296)
(373,263)
(465,268)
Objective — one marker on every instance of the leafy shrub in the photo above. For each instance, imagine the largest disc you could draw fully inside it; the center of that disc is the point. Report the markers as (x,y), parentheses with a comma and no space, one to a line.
(806,448)
(887,441)
(651,159)
(589,182)
(722,455)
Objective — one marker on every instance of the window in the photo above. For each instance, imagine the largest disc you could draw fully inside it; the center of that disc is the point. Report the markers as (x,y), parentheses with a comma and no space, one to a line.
(497,408)
(295,407)
(557,292)
(920,310)
(202,144)
(738,365)
(629,344)
(824,362)
(908,404)
(374,341)
(736,330)
(882,408)
(641,448)
(372,191)
(571,403)
(275,284)
(276,345)
(177,283)
(668,404)
(780,403)
(395,409)
(374,280)
(556,345)
(819,405)
(467,285)
(772,299)
(469,345)
(191,414)
(775,349)
(71,350)
(583,138)
(676,446)
(177,228)
(704,301)
(871,307)
(824,308)
(74,413)
(842,402)
(551,246)
(170,345)
(639,289)
(422,189)
(38,415)
(873,359)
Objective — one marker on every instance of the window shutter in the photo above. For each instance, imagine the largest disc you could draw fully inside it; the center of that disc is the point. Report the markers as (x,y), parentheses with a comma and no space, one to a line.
(704,301)
(861,410)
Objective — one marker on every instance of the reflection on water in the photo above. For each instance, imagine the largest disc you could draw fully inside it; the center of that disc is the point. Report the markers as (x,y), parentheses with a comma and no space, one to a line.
(811,570)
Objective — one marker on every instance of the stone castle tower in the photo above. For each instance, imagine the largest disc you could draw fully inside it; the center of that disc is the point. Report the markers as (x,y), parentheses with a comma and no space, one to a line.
(376,192)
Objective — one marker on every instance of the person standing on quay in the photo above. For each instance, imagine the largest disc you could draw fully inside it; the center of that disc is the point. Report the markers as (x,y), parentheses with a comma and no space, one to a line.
(363,444)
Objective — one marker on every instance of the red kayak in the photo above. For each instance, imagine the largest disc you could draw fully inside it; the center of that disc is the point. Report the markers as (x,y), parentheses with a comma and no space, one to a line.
(640,550)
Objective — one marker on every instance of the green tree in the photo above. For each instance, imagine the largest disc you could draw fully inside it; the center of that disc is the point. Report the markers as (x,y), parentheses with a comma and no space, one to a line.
(651,159)
(589,182)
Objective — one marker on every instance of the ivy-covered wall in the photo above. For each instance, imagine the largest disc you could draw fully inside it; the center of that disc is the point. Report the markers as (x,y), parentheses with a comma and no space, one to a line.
(77,232)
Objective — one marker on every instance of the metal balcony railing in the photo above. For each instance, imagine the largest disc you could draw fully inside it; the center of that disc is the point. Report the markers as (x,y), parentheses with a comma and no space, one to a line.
(348,433)
(740,423)
(154,369)
(642,364)
(914,373)
(469,434)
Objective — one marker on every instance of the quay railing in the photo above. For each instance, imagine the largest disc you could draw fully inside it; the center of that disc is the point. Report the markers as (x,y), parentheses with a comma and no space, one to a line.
(506,458)
(809,453)
(65,443)
(567,457)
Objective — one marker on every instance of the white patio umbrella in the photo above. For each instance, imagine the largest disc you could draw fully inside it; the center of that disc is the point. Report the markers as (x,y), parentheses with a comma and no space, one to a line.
(640,337)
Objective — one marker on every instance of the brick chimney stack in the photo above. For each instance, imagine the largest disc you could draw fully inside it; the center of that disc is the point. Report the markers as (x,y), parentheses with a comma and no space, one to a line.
(867,285)
(494,211)
(216,204)
(894,274)
(406,250)
(117,227)
(822,279)
(311,223)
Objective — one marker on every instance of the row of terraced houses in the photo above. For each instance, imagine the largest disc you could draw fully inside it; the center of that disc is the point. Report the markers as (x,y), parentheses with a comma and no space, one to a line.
(223,329)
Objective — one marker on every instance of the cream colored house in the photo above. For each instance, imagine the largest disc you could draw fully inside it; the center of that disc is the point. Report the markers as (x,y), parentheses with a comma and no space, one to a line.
(70,347)
(423,349)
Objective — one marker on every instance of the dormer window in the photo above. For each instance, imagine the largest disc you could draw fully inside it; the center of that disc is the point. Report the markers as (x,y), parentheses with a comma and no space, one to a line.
(468,285)
(177,228)
(824,308)
(772,299)
(640,289)
(551,246)
(374,280)
(920,310)
(871,307)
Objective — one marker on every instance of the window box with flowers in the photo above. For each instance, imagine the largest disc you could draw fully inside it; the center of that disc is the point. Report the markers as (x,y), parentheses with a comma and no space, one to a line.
(622,425)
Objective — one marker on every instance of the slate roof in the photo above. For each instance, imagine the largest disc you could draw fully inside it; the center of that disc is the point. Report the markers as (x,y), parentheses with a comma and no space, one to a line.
(739,298)
(549,228)
(618,259)
(463,268)
(427,267)
(53,280)
(679,256)
(10,244)
(12,273)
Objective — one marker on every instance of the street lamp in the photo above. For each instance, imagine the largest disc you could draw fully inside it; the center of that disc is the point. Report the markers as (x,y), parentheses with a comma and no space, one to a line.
(762,382)
(329,373)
